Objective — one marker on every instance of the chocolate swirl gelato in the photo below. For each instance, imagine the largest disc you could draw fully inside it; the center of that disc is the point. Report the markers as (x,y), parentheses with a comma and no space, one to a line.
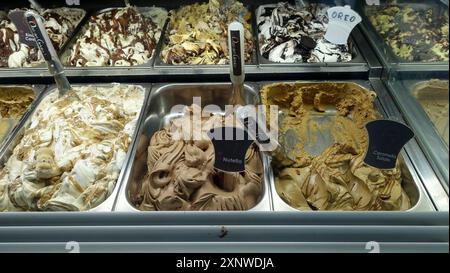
(119,37)
(288,34)
(337,177)
(181,174)
(60,24)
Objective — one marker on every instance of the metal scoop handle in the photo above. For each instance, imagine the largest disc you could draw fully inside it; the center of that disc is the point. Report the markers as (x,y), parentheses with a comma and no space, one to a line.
(48,51)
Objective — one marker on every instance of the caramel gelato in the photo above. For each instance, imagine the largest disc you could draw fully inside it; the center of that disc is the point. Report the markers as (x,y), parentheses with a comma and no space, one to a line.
(334,177)
(14,102)
(198,33)
(181,174)
(72,150)
(433,96)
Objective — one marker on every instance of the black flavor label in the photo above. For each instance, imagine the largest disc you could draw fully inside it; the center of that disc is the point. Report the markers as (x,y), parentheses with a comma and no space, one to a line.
(230,146)
(386,139)
(236,52)
(40,40)
(25,35)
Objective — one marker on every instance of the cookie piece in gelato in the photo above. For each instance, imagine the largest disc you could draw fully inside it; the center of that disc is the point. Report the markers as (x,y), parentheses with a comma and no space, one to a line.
(181,175)
(335,178)
(198,33)
(119,37)
(60,24)
(288,34)
(72,150)
(14,102)
(433,96)
(414,33)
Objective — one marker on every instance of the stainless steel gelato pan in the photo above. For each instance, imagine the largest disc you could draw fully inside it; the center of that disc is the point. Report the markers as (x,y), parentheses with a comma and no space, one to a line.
(283,47)
(326,172)
(181,187)
(70,153)
(112,49)
(15,103)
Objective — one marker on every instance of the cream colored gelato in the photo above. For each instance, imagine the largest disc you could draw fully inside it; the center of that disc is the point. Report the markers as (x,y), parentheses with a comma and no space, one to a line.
(72,151)
(60,24)
(119,37)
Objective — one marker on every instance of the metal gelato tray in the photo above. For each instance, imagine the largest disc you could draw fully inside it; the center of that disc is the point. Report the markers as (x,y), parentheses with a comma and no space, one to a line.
(160,64)
(411,183)
(15,139)
(357,58)
(42,66)
(432,143)
(162,99)
(384,51)
(65,54)
(13,124)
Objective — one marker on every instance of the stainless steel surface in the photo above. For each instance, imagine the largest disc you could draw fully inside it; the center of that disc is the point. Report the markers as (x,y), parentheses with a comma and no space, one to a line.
(411,180)
(186,232)
(15,138)
(65,54)
(162,99)
(357,57)
(431,141)
(384,51)
(431,182)
(38,91)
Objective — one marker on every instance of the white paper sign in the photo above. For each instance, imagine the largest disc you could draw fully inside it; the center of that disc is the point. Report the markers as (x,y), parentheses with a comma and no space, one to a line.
(342,20)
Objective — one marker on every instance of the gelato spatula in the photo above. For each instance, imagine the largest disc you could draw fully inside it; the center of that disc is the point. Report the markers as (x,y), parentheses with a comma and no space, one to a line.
(237,70)
(33,33)
(35,5)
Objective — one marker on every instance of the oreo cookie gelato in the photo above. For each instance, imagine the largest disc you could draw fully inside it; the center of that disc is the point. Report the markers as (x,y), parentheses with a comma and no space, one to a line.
(288,34)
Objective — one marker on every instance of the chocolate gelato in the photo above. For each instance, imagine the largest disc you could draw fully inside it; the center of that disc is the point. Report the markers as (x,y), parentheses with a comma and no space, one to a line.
(181,174)
(335,178)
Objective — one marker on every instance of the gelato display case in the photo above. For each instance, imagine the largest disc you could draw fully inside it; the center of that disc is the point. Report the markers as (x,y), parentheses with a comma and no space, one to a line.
(423,98)
(118,164)
(408,33)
